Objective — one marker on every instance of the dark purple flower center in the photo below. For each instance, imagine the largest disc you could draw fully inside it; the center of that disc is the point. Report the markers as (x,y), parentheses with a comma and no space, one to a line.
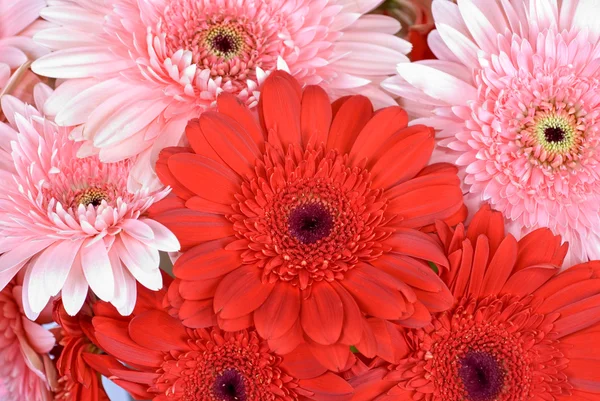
(229,386)
(481,376)
(310,222)
(224,43)
(554,134)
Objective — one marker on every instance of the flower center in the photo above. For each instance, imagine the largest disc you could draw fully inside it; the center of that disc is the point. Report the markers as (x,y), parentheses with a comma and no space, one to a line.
(310,215)
(230,386)
(224,41)
(481,375)
(555,133)
(310,222)
(90,196)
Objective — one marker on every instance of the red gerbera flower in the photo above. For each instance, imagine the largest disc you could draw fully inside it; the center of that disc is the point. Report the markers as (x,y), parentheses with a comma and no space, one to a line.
(171,362)
(78,380)
(308,224)
(520,329)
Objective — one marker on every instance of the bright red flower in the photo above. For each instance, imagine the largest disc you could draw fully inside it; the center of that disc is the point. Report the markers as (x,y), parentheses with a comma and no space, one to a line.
(305,226)
(520,329)
(171,362)
(78,380)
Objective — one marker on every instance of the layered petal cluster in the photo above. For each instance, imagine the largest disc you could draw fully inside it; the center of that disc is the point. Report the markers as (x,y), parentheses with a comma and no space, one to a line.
(307,224)
(516,99)
(138,71)
(78,381)
(17,48)
(26,371)
(70,223)
(520,330)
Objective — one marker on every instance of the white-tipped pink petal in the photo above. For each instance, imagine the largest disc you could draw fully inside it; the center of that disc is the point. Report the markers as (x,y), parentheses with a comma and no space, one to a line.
(97,269)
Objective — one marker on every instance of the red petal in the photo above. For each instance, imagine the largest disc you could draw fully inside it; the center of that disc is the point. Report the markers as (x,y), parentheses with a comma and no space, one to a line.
(114,338)
(500,267)
(334,357)
(322,314)
(384,124)
(135,376)
(391,345)
(489,223)
(239,323)
(420,202)
(231,106)
(164,173)
(578,316)
(405,158)
(540,247)
(200,204)
(198,290)
(528,280)
(316,116)
(301,364)
(372,384)
(411,271)
(205,177)
(280,109)
(231,142)
(191,227)
(348,122)
(353,317)
(574,275)
(372,296)
(289,341)
(421,316)
(279,312)
(241,292)
(198,141)
(207,261)
(157,330)
(414,243)
(584,374)
(328,387)
(197,314)
(480,262)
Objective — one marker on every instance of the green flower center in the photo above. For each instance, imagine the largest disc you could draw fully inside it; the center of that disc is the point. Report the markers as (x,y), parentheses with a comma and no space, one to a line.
(555,133)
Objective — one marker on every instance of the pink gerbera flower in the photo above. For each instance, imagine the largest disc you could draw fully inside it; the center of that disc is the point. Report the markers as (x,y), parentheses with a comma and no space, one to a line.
(26,371)
(17,48)
(69,222)
(516,95)
(139,70)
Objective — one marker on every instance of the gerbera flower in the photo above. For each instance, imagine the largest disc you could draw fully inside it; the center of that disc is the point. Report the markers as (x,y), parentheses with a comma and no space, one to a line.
(26,371)
(180,364)
(139,71)
(306,225)
(515,97)
(17,48)
(78,381)
(69,223)
(520,330)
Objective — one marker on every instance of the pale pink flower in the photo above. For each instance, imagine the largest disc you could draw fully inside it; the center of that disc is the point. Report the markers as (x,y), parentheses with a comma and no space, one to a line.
(70,222)
(516,97)
(18,22)
(26,370)
(139,70)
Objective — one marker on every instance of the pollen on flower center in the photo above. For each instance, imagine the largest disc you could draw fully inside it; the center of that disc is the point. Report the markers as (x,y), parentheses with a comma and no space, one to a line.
(90,196)
(555,133)
(224,41)
(481,375)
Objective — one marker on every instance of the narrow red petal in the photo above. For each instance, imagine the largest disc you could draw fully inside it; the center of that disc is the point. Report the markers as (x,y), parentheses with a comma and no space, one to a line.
(348,122)
(316,116)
